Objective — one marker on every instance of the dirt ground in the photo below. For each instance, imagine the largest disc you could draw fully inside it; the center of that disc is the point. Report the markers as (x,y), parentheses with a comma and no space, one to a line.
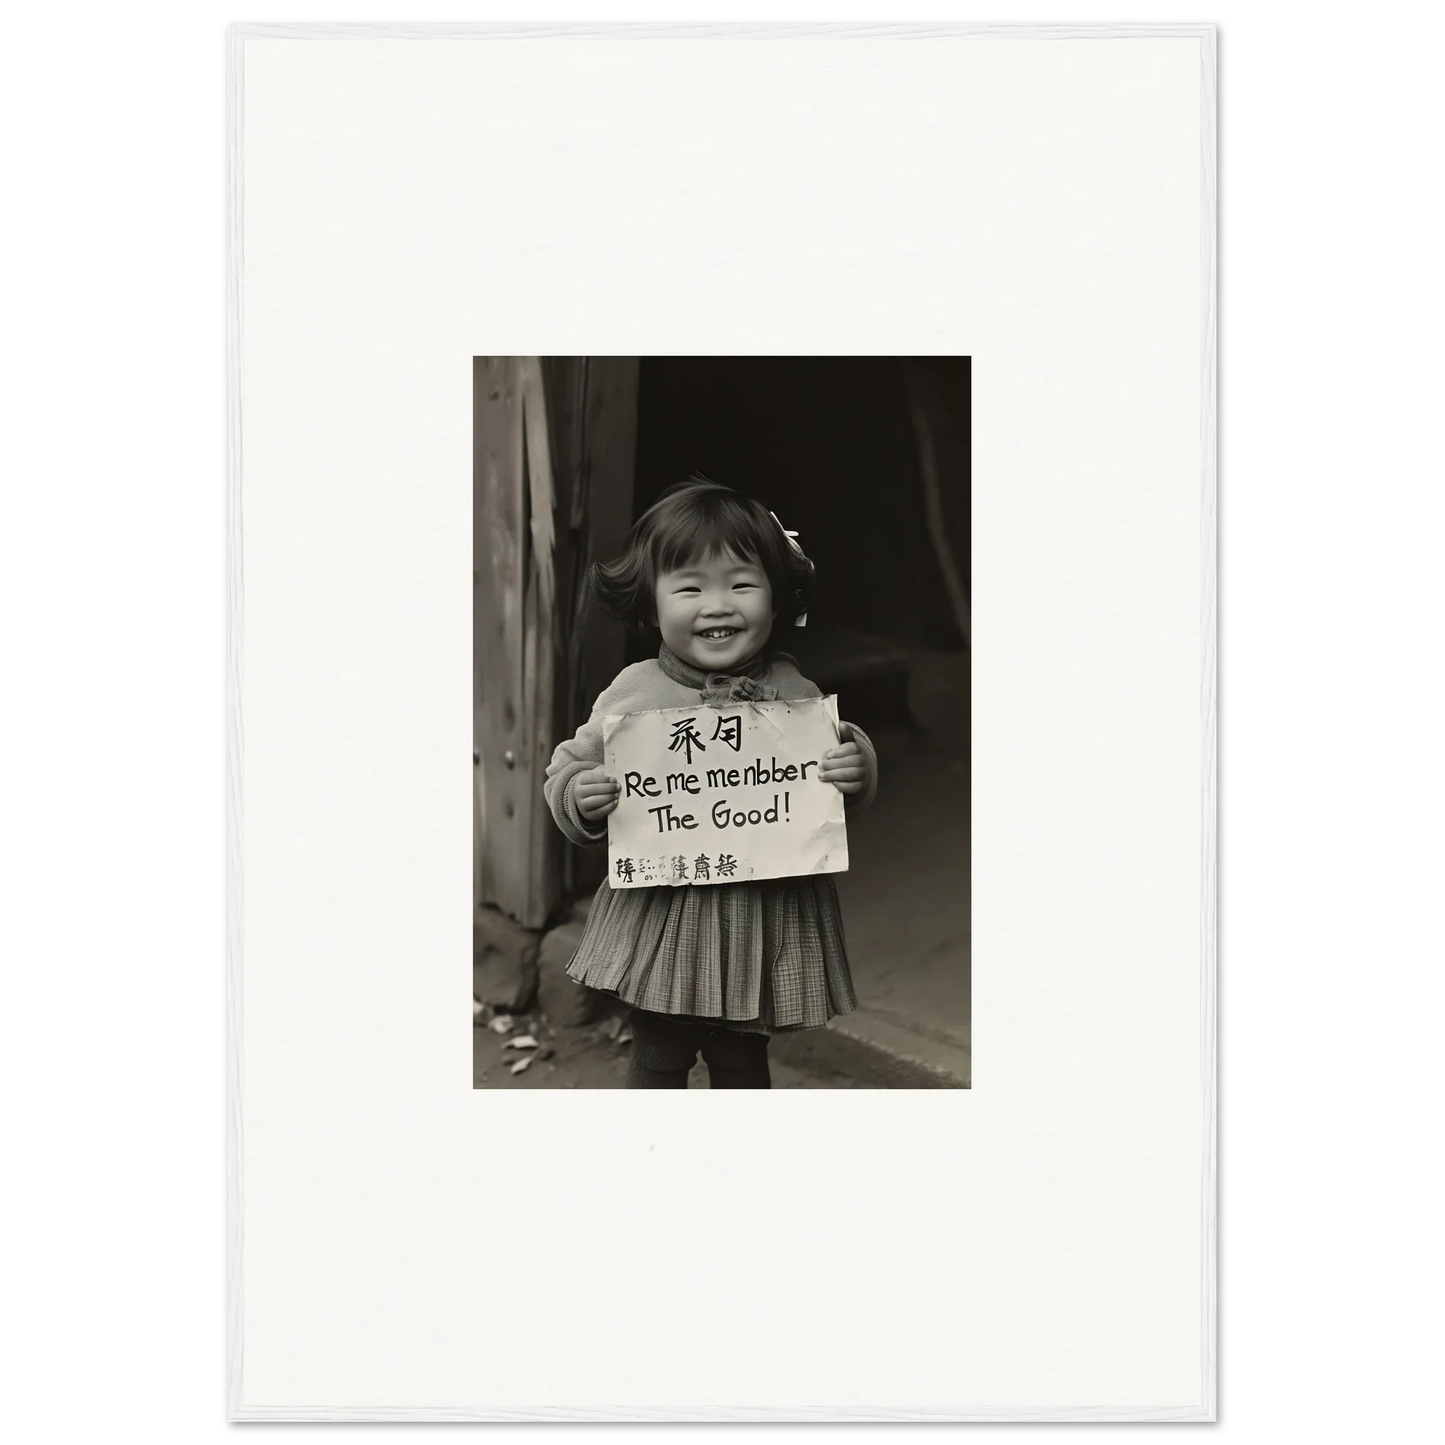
(593,1057)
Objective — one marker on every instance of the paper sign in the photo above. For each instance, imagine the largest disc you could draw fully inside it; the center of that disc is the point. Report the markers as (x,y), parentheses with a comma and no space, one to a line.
(720,795)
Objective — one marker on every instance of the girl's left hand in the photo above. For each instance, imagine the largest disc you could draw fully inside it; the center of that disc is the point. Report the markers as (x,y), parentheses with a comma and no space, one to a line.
(843,767)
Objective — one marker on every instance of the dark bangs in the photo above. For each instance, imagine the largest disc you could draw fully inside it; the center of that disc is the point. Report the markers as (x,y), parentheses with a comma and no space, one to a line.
(690,522)
(709,524)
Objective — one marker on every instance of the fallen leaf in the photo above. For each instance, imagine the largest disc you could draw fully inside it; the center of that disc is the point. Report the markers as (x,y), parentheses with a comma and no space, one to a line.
(502,1024)
(522,1041)
(523,1064)
(625,1037)
(611,1027)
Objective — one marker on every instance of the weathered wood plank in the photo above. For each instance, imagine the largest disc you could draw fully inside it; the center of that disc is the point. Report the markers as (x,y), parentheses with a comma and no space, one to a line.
(498,626)
(554,487)
(564,381)
(540,650)
(601,516)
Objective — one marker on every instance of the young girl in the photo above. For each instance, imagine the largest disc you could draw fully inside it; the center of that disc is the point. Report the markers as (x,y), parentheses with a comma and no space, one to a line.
(716,967)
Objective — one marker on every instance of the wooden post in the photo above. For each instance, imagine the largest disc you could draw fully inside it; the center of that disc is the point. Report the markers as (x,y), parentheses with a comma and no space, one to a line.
(497,622)
(540,650)
(594,412)
(554,453)
(513,641)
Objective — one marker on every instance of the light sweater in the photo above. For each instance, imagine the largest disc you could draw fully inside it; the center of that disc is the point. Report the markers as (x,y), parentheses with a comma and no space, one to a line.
(667,682)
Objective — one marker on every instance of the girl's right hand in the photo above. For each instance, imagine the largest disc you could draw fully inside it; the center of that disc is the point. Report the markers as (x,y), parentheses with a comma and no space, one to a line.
(595,794)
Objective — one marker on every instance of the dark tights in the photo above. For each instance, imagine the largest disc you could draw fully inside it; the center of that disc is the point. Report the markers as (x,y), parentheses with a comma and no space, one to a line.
(664,1049)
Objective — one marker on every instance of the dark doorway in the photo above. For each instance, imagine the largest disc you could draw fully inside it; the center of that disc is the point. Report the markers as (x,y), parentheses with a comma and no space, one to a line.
(832,445)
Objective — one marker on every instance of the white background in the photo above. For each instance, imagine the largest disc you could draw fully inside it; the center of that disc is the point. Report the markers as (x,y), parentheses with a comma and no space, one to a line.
(1031,1244)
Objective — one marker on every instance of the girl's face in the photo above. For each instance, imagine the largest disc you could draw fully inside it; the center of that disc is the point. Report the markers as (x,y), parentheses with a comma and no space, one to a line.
(715,612)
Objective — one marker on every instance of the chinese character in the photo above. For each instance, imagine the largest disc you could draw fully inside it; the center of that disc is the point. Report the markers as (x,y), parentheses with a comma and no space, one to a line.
(625,869)
(685,736)
(700,867)
(679,869)
(730,730)
(727,865)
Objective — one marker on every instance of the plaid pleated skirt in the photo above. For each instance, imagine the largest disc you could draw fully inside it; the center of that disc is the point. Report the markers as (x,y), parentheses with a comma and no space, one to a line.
(765,956)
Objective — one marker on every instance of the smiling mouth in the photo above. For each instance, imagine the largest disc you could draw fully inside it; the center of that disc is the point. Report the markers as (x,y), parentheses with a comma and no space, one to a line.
(719,634)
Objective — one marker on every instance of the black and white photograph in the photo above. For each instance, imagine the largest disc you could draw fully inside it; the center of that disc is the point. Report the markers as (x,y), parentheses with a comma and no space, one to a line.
(721,549)
(722,743)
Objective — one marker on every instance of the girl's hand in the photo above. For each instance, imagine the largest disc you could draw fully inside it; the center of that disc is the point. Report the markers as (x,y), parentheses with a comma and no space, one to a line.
(596,794)
(843,767)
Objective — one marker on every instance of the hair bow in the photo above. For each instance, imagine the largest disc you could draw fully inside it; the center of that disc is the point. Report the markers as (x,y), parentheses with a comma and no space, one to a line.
(792,539)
